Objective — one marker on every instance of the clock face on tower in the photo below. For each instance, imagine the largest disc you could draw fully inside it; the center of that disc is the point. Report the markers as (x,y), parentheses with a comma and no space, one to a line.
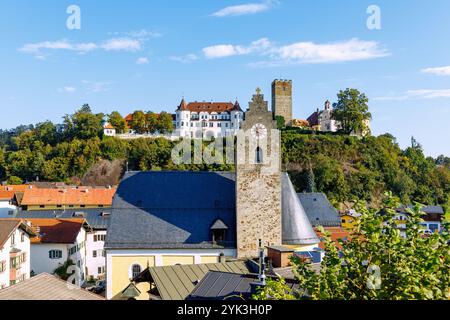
(259,131)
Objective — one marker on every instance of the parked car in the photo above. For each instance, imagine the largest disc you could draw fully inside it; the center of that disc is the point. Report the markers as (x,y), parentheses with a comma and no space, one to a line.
(100,287)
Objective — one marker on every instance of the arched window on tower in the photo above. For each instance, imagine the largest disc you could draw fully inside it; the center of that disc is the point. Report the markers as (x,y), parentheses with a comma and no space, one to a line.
(259,155)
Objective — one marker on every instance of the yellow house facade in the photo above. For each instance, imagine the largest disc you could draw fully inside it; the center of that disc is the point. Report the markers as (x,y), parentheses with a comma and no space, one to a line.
(349,219)
(123,265)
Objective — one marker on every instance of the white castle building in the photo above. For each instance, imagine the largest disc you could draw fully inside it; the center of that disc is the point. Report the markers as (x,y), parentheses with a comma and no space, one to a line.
(208,119)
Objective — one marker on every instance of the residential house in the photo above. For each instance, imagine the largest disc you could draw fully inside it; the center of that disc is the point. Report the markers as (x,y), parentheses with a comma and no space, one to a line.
(58,241)
(46,287)
(109,130)
(349,219)
(14,251)
(98,220)
(8,203)
(67,198)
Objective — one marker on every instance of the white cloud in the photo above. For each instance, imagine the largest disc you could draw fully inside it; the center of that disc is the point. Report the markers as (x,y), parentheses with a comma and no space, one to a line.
(143,34)
(228,50)
(125,44)
(142,60)
(57,45)
(184,59)
(417,95)
(96,86)
(351,50)
(40,49)
(67,89)
(440,71)
(300,52)
(244,9)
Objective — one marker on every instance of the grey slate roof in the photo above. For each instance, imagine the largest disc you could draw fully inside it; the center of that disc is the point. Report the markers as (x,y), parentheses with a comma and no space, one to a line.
(46,287)
(176,282)
(319,210)
(98,219)
(169,210)
(218,285)
(172,210)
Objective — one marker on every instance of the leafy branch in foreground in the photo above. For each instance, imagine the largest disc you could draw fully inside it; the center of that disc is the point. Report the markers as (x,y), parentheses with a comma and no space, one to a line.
(377,261)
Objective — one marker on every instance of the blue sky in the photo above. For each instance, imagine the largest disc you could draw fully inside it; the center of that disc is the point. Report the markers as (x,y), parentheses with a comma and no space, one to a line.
(146,55)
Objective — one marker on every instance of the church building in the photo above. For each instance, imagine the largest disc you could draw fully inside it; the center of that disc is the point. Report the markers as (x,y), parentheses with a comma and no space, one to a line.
(187,218)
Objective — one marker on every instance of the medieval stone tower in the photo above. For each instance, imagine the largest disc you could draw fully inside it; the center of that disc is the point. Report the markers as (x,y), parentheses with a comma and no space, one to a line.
(258,180)
(282,99)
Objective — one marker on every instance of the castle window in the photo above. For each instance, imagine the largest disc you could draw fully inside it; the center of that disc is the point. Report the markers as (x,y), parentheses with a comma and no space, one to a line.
(259,155)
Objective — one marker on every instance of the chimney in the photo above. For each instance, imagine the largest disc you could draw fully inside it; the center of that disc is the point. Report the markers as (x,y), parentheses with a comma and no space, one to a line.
(222,258)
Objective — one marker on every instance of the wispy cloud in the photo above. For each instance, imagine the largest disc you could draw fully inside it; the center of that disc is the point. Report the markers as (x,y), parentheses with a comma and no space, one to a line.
(67,89)
(184,59)
(142,60)
(128,41)
(417,95)
(228,50)
(245,9)
(440,71)
(300,52)
(124,44)
(97,86)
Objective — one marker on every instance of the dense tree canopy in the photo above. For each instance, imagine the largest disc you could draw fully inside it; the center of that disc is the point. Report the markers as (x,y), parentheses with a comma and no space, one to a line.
(352,111)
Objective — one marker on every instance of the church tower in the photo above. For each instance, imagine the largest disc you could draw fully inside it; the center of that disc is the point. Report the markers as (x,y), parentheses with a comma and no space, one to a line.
(282,99)
(258,180)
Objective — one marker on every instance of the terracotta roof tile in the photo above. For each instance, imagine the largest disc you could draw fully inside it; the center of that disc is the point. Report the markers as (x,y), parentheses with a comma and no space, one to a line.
(68,196)
(336,234)
(56,230)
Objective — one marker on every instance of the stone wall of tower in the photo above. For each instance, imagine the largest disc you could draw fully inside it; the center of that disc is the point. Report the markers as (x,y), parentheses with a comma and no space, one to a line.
(282,99)
(258,186)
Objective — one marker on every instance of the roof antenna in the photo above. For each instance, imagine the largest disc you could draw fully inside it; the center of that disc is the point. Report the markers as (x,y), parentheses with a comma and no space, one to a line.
(262,265)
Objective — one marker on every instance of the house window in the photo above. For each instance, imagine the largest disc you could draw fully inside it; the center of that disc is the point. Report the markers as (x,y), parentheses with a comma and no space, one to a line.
(55,254)
(135,270)
(59,206)
(13,239)
(103,253)
(42,206)
(101,270)
(22,237)
(2,266)
(94,253)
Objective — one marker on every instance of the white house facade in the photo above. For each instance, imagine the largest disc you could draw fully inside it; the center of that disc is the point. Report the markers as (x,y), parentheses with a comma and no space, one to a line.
(208,119)
(14,251)
(96,257)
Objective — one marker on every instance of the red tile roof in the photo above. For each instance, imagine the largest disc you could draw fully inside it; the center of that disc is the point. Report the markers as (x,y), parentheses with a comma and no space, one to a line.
(209,106)
(68,196)
(336,234)
(56,230)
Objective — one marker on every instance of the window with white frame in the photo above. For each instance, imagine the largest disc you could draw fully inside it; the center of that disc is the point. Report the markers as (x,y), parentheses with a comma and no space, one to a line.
(135,270)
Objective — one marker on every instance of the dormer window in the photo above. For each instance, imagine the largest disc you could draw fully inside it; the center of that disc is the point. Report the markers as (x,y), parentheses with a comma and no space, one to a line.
(218,231)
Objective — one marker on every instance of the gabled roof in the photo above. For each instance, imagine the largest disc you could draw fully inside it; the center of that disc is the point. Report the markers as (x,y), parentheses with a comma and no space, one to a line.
(219,225)
(319,210)
(336,233)
(209,106)
(175,210)
(63,231)
(8,226)
(46,287)
(68,196)
(177,282)
(218,285)
(172,210)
